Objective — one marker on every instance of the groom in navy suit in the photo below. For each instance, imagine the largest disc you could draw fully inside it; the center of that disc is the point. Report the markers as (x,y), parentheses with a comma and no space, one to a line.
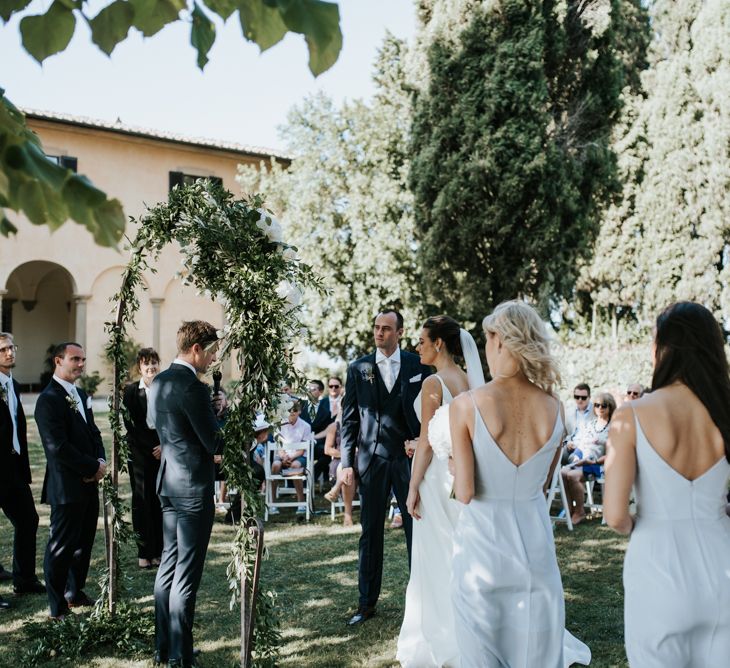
(377,419)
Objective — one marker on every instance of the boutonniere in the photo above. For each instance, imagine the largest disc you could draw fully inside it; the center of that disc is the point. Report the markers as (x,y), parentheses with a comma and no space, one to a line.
(366,371)
(4,394)
(72,404)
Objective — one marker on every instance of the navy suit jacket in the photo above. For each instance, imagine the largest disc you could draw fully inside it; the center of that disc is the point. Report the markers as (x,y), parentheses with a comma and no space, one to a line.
(73,446)
(360,415)
(322,418)
(181,409)
(14,469)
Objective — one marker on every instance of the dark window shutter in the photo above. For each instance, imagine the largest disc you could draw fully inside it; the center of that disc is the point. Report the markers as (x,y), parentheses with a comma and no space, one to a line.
(70,163)
(176,179)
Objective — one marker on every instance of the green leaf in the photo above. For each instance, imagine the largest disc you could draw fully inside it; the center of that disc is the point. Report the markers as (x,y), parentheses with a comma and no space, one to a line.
(319,22)
(151,16)
(111,25)
(261,23)
(89,206)
(224,8)
(6,227)
(49,33)
(202,34)
(9,7)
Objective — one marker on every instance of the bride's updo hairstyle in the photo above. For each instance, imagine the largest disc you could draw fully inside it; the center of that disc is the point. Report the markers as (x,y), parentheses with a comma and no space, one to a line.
(447,329)
(690,349)
(523,333)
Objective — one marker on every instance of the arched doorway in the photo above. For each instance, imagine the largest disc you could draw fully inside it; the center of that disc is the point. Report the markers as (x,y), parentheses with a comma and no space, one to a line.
(38,309)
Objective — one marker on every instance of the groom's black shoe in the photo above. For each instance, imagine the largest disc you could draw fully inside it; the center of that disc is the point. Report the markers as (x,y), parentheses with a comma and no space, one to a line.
(363,613)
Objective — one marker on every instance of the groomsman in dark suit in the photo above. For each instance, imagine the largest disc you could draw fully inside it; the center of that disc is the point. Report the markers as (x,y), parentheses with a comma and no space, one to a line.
(16,498)
(75,463)
(316,411)
(377,419)
(181,409)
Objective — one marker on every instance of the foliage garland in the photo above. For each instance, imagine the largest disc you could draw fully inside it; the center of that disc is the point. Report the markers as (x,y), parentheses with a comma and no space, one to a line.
(233,253)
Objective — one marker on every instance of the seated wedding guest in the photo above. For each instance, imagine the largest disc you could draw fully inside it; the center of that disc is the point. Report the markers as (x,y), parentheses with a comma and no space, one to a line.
(291,461)
(588,456)
(507,594)
(332,449)
(317,411)
(634,391)
(673,446)
(144,461)
(577,417)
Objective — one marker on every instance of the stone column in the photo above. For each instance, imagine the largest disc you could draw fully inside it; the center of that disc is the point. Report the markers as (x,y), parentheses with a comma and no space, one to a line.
(156,306)
(2,294)
(80,302)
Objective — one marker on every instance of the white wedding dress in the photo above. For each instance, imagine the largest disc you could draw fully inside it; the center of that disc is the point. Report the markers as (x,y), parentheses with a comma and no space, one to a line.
(427,637)
(507,594)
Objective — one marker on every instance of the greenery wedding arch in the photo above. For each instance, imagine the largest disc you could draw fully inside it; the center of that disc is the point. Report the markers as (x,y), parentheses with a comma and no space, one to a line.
(232,252)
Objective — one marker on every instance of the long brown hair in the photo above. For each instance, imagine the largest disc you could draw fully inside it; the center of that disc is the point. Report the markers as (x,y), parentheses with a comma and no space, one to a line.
(690,349)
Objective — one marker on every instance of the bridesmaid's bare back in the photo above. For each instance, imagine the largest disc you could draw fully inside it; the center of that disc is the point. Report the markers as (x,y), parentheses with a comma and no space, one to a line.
(679,428)
(519,416)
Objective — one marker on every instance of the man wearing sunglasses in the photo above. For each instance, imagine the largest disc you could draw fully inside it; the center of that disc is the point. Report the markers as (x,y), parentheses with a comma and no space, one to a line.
(578,418)
(634,391)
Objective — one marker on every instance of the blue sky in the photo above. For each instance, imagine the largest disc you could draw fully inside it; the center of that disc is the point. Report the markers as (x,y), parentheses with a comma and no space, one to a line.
(241,96)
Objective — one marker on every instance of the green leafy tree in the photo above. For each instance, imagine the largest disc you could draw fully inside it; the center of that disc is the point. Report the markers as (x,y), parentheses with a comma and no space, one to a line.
(49,194)
(667,237)
(511,158)
(346,206)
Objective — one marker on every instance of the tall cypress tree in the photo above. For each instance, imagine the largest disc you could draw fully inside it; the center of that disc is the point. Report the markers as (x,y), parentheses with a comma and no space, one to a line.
(511,158)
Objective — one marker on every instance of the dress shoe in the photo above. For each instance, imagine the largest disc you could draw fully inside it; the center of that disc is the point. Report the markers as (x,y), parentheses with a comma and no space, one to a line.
(5,575)
(36,587)
(363,614)
(4,605)
(81,601)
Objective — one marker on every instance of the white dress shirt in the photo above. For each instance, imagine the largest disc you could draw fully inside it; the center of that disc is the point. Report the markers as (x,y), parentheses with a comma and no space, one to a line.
(73,392)
(7,383)
(389,367)
(148,417)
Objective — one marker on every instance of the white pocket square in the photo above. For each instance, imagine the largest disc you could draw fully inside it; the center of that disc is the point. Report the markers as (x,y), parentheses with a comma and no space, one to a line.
(415,379)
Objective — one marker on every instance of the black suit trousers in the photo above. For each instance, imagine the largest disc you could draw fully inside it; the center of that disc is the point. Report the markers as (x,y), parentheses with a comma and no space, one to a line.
(18,505)
(375,484)
(68,553)
(186,525)
(146,511)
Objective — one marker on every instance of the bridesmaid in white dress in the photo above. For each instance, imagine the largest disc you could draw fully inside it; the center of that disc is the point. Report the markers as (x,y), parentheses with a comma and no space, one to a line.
(673,445)
(506,587)
(427,635)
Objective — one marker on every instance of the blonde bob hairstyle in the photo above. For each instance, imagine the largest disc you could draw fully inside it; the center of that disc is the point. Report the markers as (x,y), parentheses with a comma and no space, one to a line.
(523,333)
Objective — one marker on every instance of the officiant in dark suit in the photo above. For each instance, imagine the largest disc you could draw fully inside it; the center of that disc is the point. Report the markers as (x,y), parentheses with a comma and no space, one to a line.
(16,498)
(75,463)
(181,409)
(144,461)
(377,419)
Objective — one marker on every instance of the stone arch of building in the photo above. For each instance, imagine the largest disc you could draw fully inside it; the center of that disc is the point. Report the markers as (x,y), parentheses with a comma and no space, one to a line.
(40,307)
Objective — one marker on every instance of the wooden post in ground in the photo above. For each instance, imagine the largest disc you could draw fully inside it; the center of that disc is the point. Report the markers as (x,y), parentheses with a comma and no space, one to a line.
(250,590)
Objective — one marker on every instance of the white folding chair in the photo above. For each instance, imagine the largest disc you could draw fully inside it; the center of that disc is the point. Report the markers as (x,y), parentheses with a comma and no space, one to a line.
(339,504)
(591,505)
(557,486)
(305,476)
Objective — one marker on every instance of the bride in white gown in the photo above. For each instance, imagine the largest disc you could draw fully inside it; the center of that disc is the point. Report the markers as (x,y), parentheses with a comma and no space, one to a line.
(427,635)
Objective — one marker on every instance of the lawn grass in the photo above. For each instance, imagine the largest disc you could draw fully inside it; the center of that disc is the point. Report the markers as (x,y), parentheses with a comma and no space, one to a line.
(313,568)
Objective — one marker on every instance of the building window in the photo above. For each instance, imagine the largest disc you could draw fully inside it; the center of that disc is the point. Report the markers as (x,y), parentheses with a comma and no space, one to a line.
(178,178)
(65,161)
(6,315)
